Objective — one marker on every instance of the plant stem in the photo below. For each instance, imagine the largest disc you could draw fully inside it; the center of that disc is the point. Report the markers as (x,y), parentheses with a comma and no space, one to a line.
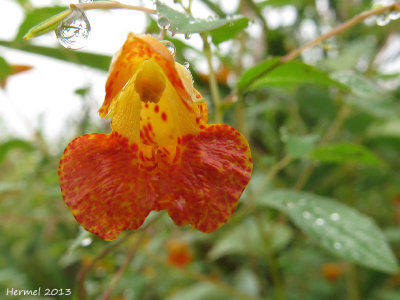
(335,31)
(111,5)
(328,136)
(212,80)
(279,289)
(121,270)
(352,283)
(222,286)
(339,29)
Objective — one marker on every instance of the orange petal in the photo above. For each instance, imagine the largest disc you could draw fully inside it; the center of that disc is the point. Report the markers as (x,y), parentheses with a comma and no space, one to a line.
(204,187)
(128,60)
(103,185)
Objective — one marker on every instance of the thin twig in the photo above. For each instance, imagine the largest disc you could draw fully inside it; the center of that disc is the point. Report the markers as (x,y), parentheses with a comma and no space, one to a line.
(212,80)
(339,29)
(111,5)
(222,286)
(121,270)
(335,31)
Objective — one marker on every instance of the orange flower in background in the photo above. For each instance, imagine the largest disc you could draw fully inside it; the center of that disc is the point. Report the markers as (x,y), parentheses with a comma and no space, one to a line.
(179,253)
(160,155)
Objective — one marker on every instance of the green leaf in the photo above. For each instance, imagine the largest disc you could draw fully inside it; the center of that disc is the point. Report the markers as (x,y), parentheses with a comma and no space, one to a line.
(273,73)
(9,145)
(297,146)
(229,30)
(97,61)
(359,85)
(54,16)
(338,228)
(182,23)
(344,152)
(252,240)
(5,69)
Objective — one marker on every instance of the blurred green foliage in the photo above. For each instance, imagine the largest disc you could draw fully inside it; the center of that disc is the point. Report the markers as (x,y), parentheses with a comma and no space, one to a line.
(328,123)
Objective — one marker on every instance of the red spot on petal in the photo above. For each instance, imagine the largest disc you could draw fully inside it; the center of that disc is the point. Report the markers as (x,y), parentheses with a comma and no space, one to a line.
(156,109)
(164,116)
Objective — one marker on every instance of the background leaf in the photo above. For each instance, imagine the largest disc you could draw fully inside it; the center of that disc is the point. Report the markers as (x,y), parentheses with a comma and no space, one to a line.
(344,152)
(340,229)
(182,23)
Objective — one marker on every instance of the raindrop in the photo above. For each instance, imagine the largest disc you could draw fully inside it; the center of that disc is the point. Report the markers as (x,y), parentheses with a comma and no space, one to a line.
(163,22)
(186,65)
(337,245)
(320,222)
(192,21)
(383,20)
(85,1)
(394,15)
(290,204)
(188,35)
(170,46)
(306,215)
(335,217)
(86,242)
(73,31)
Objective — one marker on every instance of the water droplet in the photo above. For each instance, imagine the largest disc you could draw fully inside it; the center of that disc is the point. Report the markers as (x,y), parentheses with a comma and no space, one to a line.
(383,20)
(192,21)
(86,242)
(320,222)
(337,245)
(73,31)
(85,1)
(394,15)
(163,22)
(188,35)
(170,46)
(306,215)
(290,204)
(335,217)
(186,65)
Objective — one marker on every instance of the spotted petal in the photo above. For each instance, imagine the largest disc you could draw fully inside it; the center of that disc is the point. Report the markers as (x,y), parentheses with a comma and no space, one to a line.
(204,186)
(103,185)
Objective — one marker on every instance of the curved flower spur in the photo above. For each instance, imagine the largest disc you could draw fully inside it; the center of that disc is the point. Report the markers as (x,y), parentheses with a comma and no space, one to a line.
(160,154)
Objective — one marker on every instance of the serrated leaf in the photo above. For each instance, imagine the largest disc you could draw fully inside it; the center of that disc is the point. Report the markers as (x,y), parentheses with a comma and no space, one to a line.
(183,23)
(341,230)
(344,152)
(292,73)
(97,61)
(229,30)
(41,20)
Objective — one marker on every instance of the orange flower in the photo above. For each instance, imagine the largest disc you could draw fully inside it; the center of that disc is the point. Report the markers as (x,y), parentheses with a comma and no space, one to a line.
(161,153)
(179,253)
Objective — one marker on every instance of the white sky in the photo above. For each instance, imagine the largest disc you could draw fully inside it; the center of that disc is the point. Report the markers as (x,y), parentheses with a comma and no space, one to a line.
(47,91)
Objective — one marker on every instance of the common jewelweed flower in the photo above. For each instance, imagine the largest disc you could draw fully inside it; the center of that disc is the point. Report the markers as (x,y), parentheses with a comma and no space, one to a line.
(160,155)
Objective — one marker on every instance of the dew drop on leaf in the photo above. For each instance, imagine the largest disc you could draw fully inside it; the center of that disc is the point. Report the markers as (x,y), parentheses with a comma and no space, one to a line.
(170,46)
(306,215)
(186,65)
(337,245)
(73,31)
(163,22)
(85,1)
(335,217)
(320,222)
